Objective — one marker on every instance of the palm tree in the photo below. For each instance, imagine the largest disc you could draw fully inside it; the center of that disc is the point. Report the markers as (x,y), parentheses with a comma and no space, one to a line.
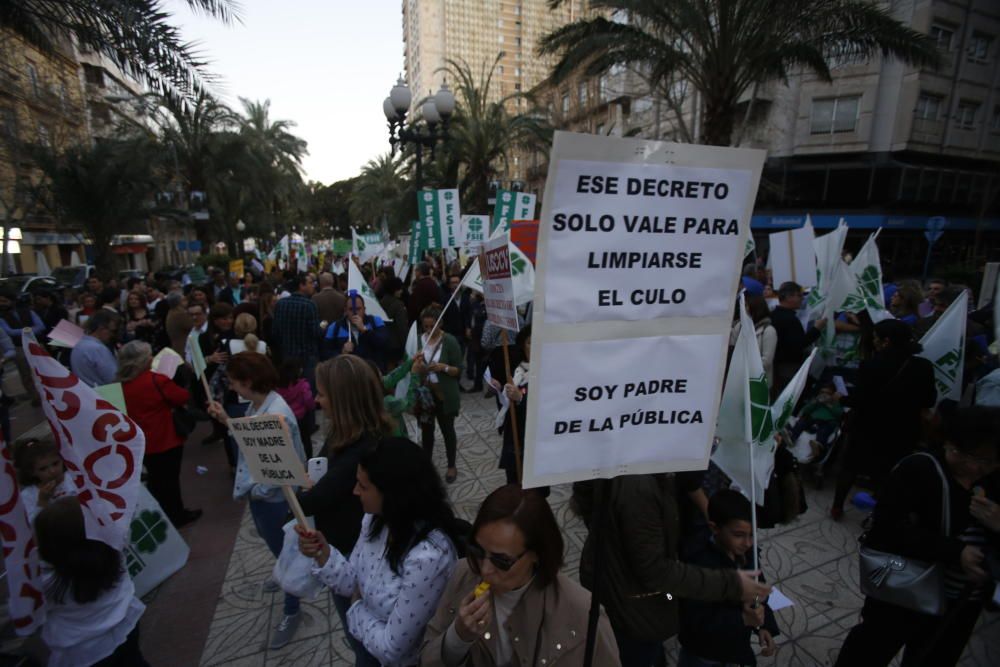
(484,133)
(380,193)
(135,34)
(274,164)
(104,187)
(725,48)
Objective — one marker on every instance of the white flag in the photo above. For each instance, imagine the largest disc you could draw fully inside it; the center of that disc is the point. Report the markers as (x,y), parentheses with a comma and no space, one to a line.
(26,596)
(356,281)
(522,275)
(867,270)
(366,246)
(745,426)
(785,403)
(944,347)
(828,259)
(101,447)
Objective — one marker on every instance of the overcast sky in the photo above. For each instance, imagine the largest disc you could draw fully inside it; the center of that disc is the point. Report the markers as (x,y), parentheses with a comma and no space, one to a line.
(325,64)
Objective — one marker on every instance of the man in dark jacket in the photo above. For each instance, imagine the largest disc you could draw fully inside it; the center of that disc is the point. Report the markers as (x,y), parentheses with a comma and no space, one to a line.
(792,339)
(636,516)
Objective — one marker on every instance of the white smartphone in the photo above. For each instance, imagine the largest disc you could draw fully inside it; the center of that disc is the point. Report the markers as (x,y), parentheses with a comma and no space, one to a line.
(316,468)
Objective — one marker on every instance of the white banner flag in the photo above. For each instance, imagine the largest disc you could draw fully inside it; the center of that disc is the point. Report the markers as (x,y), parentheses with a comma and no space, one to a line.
(356,281)
(782,409)
(745,427)
(101,447)
(944,347)
(366,246)
(828,258)
(26,599)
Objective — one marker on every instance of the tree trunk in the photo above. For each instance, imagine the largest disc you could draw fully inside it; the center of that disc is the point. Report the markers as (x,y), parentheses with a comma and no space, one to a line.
(719,121)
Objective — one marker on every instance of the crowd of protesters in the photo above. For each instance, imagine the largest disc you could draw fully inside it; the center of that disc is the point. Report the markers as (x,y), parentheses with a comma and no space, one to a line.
(411,582)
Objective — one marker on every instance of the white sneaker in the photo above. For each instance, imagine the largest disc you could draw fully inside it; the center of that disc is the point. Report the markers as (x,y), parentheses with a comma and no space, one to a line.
(285,631)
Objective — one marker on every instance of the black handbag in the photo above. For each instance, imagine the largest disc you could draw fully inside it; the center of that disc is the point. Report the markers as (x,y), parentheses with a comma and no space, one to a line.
(184,422)
(907,582)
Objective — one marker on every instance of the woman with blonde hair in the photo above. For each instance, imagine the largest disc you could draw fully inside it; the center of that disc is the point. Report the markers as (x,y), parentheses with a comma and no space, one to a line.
(245,338)
(350,393)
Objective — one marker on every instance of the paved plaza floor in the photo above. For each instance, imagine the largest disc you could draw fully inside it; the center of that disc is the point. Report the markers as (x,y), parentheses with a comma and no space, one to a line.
(214,612)
(813,561)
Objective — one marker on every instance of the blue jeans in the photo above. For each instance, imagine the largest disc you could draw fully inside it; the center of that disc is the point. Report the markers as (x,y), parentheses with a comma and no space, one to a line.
(269,519)
(362,658)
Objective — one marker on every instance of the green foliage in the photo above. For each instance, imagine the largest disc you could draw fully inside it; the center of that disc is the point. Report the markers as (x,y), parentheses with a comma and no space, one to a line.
(724,48)
(484,133)
(381,192)
(205,261)
(136,34)
(103,188)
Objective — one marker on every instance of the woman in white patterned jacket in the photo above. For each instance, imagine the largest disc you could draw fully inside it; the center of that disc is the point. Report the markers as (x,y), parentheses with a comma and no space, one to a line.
(403,558)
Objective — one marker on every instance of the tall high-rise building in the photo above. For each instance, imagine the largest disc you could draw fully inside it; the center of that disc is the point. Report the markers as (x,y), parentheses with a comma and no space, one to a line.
(435,31)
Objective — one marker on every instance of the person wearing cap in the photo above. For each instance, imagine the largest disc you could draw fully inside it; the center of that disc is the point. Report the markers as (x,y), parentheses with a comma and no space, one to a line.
(357,333)
(793,340)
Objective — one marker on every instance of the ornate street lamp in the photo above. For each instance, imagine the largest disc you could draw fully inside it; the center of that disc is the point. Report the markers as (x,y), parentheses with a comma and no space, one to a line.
(436,111)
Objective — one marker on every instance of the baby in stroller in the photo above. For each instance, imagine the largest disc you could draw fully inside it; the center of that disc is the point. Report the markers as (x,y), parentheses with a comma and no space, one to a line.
(817,423)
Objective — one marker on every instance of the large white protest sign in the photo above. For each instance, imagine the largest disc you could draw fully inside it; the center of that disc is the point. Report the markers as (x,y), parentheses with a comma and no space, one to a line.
(498,288)
(642,244)
(792,256)
(267,448)
(155,549)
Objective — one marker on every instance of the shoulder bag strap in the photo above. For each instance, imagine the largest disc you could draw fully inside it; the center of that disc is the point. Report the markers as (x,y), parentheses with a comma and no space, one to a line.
(945,496)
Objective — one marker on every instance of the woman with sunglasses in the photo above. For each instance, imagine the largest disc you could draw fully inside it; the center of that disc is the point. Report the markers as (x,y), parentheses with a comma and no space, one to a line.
(403,559)
(530,614)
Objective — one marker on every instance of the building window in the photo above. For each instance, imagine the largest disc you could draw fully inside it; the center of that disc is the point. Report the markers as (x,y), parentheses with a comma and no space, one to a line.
(995,120)
(600,129)
(33,77)
(517,40)
(517,86)
(44,135)
(943,36)
(565,103)
(602,88)
(8,123)
(582,93)
(979,47)
(965,117)
(499,23)
(928,106)
(839,114)
(500,39)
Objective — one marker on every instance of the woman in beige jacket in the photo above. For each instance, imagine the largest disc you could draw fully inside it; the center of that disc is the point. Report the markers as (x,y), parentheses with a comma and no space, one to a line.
(506,603)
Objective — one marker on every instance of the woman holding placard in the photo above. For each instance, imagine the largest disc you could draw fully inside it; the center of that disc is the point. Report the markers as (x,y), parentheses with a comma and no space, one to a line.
(438,398)
(254,378)
(403,560)
(350,394)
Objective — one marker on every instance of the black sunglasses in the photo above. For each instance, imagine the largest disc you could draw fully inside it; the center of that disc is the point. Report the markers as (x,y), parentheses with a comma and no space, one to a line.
(500,561)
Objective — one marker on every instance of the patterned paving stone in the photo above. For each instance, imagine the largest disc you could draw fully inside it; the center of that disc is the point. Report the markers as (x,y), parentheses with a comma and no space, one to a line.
(812,560)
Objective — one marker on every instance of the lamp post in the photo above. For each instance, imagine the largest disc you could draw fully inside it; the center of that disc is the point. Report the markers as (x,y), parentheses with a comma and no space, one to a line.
(436,112)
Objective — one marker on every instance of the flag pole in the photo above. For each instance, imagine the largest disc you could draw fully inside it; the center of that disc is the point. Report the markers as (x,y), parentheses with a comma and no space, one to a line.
(512,410)
(753,506)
